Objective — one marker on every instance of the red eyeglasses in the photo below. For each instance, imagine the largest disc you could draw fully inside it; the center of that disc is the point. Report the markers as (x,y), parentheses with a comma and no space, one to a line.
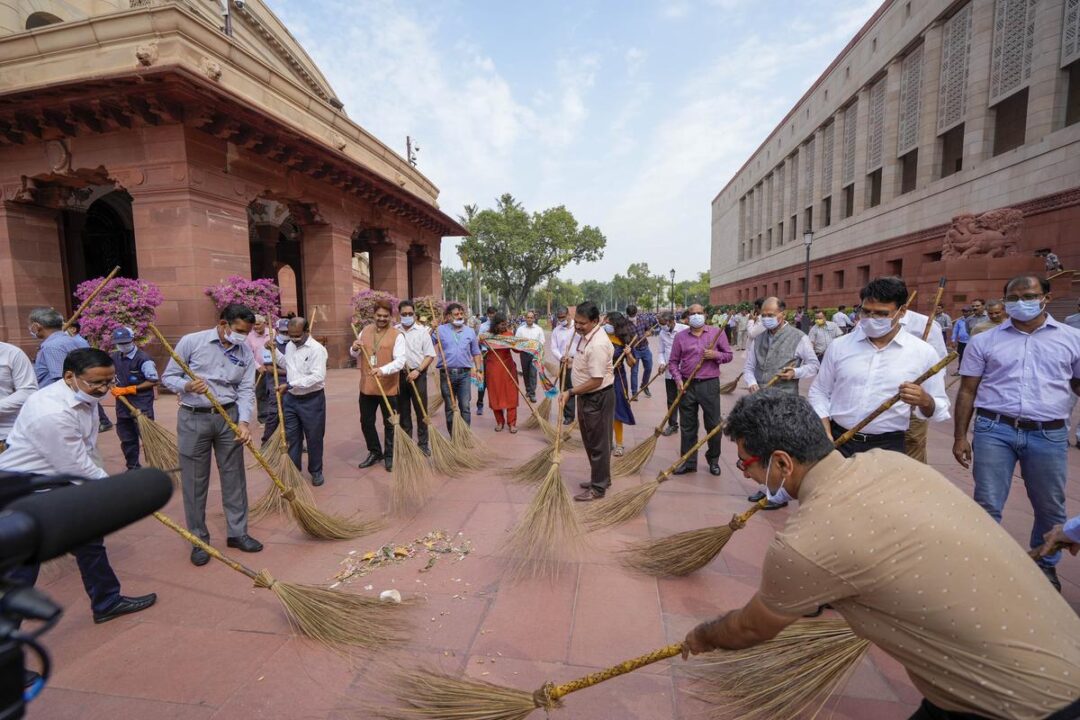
(744,464)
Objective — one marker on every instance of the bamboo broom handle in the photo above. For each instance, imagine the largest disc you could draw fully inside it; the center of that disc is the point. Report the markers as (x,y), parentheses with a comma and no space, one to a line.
(131,408)
(690,453)
(442,357)
(89,298)
(685,384)
(633,344)
(642,388)
(277,395)
(553,692)
(791,365)
(933,308)
(205,547)
(311,325)
(934,370)
(416,394)
(285,492)
(382,392)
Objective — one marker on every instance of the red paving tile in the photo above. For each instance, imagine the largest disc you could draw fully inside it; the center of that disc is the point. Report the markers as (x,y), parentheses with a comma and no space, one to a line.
(216,647)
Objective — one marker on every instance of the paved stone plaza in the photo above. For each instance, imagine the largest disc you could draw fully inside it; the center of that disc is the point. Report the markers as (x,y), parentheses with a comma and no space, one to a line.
(214,647)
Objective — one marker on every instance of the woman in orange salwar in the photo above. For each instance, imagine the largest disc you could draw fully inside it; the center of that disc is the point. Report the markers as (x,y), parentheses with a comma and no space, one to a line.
(501,378)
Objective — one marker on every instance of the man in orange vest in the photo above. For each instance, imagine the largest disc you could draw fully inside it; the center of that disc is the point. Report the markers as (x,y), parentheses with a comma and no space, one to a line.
(380,355)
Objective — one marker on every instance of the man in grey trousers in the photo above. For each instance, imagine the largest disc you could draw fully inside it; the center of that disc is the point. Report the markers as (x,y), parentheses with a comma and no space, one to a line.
(225,365)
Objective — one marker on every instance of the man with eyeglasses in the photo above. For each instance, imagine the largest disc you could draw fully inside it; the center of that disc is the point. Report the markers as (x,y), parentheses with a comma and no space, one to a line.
(562,352)
(419,354)
(1020,382)
(56,434)
(225,365)
(781,350)
(866,367)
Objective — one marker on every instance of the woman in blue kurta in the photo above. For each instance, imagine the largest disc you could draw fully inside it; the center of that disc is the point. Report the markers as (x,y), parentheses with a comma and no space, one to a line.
(621,333)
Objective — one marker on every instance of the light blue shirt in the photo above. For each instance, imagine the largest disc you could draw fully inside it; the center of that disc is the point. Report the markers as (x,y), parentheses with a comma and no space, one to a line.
(960,330)
(459,346)
(229,373)
(49,363)
(1072,529)
(1025,376)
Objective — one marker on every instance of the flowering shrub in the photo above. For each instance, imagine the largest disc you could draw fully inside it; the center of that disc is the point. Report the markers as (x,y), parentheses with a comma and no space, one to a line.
(262,296)
(122,303)
(363,304)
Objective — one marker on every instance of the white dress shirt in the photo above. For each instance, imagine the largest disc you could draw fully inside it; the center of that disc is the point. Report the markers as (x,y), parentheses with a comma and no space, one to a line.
(754,328)
(561,342)
(17,383)
(667,339)
(418,344)
(804,351)
(531,333)
(856,377)
(55,434)
(841,320)
(915,323)
(399,354)
(305,366)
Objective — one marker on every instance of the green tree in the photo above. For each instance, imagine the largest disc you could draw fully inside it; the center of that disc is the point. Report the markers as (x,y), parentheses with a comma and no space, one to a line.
(458,285)
(516,251)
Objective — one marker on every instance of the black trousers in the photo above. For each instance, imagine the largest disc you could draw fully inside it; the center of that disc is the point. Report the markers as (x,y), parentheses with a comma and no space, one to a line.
(703,394)
(672,389)
(369,405)
(960,354)
(98,577)
(930,711)
(305,421)
(571,402)
(886,441)
(528,375)
(408,401)
(127,429)
(596,414)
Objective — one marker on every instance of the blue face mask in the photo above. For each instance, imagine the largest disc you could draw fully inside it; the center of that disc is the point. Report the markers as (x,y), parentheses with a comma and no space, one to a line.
(125,348)
(1024,310)
(609,328)
(781,496)
(407,321)
(697,320)
(769,322)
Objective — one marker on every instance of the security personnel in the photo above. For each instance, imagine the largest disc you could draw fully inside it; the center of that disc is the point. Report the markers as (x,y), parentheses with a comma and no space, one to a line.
(136,378)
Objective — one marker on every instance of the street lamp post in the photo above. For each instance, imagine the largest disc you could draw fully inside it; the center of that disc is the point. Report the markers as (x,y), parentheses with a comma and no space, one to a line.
(808,240)
(672,291)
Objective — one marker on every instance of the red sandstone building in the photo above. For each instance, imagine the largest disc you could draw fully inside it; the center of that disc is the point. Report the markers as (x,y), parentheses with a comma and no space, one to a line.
(944,140)
(144,135)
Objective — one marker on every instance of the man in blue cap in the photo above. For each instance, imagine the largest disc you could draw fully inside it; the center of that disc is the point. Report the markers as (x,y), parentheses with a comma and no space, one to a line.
(136,378)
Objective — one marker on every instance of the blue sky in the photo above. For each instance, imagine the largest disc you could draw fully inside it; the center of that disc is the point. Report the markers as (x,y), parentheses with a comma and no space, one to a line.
(632,114)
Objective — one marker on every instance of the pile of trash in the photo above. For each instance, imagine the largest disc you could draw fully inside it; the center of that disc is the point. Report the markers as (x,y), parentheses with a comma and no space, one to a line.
(433,546)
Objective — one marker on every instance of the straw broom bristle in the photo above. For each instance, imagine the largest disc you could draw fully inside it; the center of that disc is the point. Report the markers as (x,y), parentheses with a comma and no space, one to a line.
(728,388)
(677,555)
(159,447)
(435,403)
(442,453)
(462,435)
(548,533)
(543,412)
(534,469)
(632,462)
(336,618)
(792,675)
(620,507)
(272,450)
(410,481)
(325,526)
(272,502)
(428,694)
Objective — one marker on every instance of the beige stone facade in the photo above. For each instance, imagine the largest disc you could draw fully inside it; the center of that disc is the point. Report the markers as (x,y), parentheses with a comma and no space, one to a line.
(139,133)
(933,110)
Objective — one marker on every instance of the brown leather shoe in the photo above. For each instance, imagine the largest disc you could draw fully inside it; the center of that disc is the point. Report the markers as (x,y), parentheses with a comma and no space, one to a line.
(589,495)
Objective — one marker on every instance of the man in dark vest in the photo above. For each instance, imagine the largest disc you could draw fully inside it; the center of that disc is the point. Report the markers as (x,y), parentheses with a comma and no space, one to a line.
(136,378)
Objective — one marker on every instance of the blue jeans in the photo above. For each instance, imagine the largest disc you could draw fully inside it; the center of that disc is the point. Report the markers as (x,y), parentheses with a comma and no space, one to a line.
(459,380)
(1043,456)
(644,361)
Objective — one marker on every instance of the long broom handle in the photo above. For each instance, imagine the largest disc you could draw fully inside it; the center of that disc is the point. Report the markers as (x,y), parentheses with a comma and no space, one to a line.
(665,474)
(89,298)
(442,357)
(285,492)
(641,389)
(685,384)
(1036,553)
(633,344)
(416,394)
(883,407)
(933,308)
(775,378)
(277,395)
(131,408)
(205,547)
(555,692)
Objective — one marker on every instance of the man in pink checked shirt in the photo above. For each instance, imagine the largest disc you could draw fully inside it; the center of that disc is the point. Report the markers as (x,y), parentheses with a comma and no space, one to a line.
(699,344)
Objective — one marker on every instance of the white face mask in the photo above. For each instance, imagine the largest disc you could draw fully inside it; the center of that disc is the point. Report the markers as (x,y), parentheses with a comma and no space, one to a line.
(459,322)
(876,327)
(125,348)
(85,397)
(697,320)
(781,496)
(769,322)
(609,328)
(32,333)
(564,323)
(407,320)
(282,338)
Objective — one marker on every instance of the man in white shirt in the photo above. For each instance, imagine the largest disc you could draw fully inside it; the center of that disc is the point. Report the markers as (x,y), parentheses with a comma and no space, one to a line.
(669,328)
(841,320)
(304,398)
(776,349)
(530,331)
(562,353)
(56,434)
(17,383)
(866,367)
(380,356)
(419,354)
(916,324)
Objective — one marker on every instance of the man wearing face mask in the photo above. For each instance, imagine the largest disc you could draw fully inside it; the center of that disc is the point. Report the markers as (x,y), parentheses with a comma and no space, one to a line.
(380,355)
(459,358)
(782,351)
(419,355)
(709,347)
(267,403)
(17,383)
(56,434)
(668,330)
(45,325)
(594,387)
(864,368)
(1020,382)
(223,361)
(879,536)
(561,351)
(530,331)
(303,397)
(136,378)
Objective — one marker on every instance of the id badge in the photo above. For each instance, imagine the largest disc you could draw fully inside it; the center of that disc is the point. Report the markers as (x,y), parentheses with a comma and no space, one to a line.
(373,361)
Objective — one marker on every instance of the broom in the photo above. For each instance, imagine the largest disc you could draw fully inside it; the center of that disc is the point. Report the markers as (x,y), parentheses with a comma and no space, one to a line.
(460,434)
(541,422)
(549,526)
(543,410)
(89,298)
(435,404)
(427,694)
(634,460)
(310,519)
(158,444)
(641,389)
(730,387)
(332,617)
(683,553)
(933,308)
(410,478)
(444,456)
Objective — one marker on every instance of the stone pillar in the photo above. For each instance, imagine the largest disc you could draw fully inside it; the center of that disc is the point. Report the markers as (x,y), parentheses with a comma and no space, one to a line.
(794,188)
(890,166)
(929,146)
(1046,96)
(862,124)
(328,284)
(31,269)
(978,125)
(836,189)
(427,271)
(818,191)
(390,264)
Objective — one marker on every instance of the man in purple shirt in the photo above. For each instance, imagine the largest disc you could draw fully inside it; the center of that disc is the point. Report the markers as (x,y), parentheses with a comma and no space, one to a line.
(1019,380)
(699,344)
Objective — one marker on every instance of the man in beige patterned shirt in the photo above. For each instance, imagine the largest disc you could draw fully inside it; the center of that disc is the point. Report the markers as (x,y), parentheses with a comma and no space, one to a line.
(912,564)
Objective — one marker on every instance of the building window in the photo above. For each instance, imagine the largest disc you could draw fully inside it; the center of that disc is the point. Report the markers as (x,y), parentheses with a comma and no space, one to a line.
(780,233)
(809,223)
(775,289)
(794,226)
(932,256)
(802,285)
(1072,96)
(909,168)
(787,287)
(768,239)
(849,201)
(826,212)
(41,19)
(952,151)
(873,188)
(863,275)
(1010,122)
(895,267)
(838,279)
(819,282)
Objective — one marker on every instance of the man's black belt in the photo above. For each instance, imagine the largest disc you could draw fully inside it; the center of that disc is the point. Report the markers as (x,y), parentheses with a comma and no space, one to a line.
(1020,423)
(867,438)
(609,388)
(207,410)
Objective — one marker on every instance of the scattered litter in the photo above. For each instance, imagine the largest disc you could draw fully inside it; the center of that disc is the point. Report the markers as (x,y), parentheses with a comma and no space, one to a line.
(390,596)
(436,544)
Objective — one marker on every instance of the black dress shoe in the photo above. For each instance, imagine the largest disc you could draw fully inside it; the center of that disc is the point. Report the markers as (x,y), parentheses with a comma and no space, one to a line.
(1051,574)
(317,479)
(757,497)
(370,460)
(244,543)
(685,469)
(105,426)
(670,430)
(426,450)
(647,392)
(125,606)
(585,485)
(388,462)
(774,506)
(199,557)
(714,468)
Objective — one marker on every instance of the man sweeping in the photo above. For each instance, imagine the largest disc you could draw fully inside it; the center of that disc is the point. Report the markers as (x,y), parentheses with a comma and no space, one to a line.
(419,355)
(267,403)
(561,352)
(303,397)
(669,328)
(985,638)
(380,353)
(224,364)
(136,378)
(780,350)
(459,360)
(594,390)
(530,331)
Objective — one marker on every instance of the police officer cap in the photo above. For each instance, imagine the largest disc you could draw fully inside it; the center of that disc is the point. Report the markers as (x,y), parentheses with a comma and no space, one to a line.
(282,325)
(122,335)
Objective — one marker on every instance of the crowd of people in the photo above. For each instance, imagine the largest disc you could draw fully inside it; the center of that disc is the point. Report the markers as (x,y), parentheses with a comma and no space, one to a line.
(877,531)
